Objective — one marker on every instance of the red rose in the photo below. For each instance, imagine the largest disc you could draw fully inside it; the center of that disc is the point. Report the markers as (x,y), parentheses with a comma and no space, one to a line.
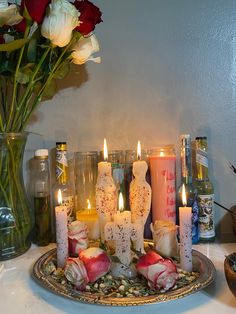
(90,15)
(20,27)
(36,9)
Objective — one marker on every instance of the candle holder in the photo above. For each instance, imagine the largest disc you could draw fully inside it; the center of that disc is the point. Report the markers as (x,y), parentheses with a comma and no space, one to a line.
(85,182)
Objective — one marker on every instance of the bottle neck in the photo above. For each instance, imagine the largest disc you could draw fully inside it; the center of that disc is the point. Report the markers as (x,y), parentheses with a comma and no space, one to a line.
(186,165)
(61,167)
(201,162)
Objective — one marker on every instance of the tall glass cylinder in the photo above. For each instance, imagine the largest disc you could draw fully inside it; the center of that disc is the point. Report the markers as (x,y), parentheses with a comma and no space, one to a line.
(86,170)
(163,181)
(15,214)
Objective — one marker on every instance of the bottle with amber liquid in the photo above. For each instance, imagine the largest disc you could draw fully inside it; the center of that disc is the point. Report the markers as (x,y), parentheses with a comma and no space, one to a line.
(41,230)
(205,192)
(63,183)
(190,188)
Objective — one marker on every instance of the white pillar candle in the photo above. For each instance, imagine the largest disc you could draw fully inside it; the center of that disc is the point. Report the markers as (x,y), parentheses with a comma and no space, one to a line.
(61,232)
(140,197)
(185,231)
(122,231)
(106,195)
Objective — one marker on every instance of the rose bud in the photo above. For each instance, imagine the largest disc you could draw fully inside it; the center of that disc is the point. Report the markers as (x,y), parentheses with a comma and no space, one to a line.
(77,237)
(90,15)
(96,261)
(161,273)
(59,22)
(84,49)
(76,273)
(35,8)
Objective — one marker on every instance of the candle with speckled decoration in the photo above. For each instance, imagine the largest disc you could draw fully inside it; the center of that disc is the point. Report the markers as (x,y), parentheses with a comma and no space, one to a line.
(106,194)
(185,233)
(61,232)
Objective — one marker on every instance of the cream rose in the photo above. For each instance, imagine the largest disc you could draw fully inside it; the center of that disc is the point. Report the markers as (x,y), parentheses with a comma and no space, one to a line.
(84,49)
(9,15)
(60,21)
(76,273)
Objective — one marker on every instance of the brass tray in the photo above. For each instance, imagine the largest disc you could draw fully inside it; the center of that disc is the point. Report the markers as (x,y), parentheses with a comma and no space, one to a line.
(200,263)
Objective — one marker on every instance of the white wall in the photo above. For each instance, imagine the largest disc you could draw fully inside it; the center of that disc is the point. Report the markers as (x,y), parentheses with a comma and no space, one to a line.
(168,67)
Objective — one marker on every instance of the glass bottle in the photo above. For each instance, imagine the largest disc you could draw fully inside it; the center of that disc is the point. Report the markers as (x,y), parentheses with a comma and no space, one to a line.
(190,188)
(62,183)
(205,192)
(41,233)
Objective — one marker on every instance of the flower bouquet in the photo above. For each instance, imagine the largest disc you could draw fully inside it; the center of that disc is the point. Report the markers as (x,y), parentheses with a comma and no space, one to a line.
(39,40)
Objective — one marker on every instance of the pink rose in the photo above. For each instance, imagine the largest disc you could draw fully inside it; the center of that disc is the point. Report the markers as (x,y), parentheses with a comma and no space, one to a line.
(96,261)
(76,273)
(77,237)
(161,273)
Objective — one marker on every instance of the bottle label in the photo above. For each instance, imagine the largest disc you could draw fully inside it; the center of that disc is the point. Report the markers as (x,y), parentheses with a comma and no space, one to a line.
(206,216)
(61,162)
(195,214)
(68,202)
(202,158)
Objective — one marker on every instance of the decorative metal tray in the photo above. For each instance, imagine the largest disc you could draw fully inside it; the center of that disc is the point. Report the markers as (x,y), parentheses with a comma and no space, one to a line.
(201,264)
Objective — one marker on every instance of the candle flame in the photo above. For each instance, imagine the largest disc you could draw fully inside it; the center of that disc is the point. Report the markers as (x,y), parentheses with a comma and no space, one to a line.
(59,197)
(121,202)
(139,151)
(88,204)
(184,200)
(161,153)
(105,152)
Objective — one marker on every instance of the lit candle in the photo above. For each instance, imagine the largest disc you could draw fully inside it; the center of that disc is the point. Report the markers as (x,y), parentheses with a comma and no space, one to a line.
(185,231)
(122,231)
(140,196)
(61,232)
(162,168)
(90,217)
(106,195)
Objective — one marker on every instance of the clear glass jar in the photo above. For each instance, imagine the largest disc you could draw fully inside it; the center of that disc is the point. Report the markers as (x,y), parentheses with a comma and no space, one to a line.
(86,171)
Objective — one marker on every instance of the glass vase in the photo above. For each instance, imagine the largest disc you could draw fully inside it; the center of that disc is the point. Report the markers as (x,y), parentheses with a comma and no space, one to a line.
(15,218)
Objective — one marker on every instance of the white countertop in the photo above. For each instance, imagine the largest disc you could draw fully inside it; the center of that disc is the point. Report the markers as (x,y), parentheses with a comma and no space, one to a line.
(19,293)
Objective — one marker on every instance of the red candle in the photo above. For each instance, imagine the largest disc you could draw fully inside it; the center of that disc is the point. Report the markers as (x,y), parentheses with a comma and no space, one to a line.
(162,166)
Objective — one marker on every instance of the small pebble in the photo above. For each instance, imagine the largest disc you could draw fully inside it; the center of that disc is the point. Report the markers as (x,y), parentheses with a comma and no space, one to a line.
(121,288)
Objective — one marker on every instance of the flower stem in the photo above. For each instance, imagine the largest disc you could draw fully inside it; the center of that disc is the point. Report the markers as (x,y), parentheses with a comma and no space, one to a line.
(9,122)
(30,85)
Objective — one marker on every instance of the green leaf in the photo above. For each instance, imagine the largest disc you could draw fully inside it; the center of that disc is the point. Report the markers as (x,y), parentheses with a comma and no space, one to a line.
(62,71)
(50,89)
(13,45)
(23,76)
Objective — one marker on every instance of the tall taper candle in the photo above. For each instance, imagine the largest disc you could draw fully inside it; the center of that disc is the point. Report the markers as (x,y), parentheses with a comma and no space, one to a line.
(185,225)
(61,232)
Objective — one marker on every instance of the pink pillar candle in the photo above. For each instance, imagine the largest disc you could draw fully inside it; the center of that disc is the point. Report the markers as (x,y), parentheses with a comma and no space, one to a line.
(185,232)
(61,235)
(162,166)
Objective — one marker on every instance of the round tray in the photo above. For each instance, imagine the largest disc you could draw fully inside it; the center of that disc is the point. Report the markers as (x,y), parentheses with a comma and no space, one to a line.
(201,264)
